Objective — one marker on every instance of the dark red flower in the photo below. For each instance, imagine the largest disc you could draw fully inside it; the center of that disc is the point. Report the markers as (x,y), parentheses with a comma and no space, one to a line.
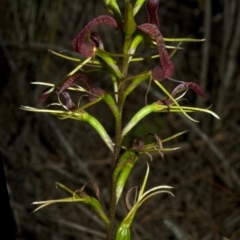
(83,43)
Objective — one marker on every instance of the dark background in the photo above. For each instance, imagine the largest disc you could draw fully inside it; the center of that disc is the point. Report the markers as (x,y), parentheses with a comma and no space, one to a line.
(39,149)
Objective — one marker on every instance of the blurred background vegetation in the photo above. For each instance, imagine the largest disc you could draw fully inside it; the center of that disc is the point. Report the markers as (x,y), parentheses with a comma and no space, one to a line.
(39,150)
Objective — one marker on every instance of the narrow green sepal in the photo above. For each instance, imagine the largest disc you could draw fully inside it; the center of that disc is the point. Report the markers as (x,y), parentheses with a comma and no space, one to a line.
(93,202)
(96,205)
(124,227)
(135,82)
(113,8)
(79,116)
(137,6)
(111,64)
(129,25)
(135,42)
(123,170)
(137,117)
(108,99)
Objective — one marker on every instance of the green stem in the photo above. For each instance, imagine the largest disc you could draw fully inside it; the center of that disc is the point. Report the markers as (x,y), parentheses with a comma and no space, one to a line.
(112,209)
(117,147)
(127,43)
(129,26)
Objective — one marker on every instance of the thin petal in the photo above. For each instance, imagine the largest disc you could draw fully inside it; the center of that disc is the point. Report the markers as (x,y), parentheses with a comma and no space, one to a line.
(68,99)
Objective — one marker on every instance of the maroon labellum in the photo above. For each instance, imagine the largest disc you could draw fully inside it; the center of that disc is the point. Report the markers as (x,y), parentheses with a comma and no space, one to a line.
(72,80)
(167,67)
(94,91)
(186,85)
(157,73)
(180,88)
(85,34)
(152,11)
(87,48)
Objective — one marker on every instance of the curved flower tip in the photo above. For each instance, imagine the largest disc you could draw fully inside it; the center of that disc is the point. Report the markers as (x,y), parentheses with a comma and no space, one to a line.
(158,73)
(69,103)
(180,88)
(167,67)
(186,85)
(44,95)
(86,46)
(95,92)
(152,11)
(72,80)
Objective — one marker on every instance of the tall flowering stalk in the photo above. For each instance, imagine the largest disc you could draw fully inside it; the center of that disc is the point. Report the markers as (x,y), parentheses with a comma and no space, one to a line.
(90,46)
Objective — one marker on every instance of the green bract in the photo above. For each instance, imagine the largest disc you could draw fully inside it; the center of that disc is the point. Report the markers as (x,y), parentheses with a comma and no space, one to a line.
(123,231)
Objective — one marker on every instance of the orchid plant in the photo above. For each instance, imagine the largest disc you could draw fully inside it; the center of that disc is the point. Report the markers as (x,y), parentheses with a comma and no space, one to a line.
(91,54)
